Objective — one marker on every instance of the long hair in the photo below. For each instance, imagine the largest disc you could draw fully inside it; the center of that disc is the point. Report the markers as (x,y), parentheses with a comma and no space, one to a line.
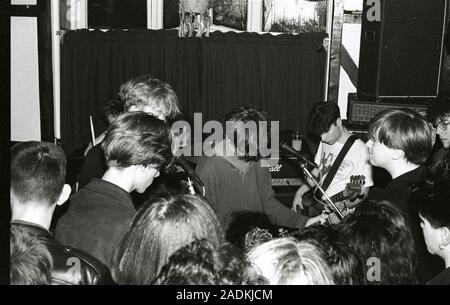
(161,227)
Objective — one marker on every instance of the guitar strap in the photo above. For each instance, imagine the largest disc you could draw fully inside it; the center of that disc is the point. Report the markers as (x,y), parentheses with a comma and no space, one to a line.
(337,162)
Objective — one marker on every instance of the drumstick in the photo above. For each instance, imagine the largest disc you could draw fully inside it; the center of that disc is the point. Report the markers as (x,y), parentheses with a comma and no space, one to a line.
(92,131)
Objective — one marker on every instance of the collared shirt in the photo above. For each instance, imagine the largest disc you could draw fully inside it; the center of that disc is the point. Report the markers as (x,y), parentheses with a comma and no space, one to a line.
(99,216)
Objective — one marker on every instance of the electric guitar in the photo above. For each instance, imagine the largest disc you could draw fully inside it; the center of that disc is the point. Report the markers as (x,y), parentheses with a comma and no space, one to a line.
(313,206)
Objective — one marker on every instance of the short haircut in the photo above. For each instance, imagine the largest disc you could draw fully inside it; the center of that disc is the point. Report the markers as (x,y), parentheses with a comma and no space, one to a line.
(285,261)
(439,109)
(249,138)
(161,227)
(136,138)
(30,260)
(433,202)
(148,90)
(379,230)
(322,116)
(38,171)
(403,129)
(113,108)
(200,263)
(346,267)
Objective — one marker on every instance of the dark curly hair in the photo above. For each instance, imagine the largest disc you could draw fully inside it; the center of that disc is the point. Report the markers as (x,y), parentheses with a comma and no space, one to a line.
(379,230)
(199,263)
(249,138)
(322,116)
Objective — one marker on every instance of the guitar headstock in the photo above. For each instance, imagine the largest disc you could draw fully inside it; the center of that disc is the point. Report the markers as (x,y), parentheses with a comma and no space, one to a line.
(355,186)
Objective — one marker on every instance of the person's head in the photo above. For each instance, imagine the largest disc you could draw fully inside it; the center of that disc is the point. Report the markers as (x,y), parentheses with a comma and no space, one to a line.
(139,141)
(399,135)
(244,133)
(149,94)
(286,261)
(346,267)
(30,259)
(325,122)
(380,236)
(439,116)
(112,110)
(162,226)
(433,202)
(200,263)
(38,172)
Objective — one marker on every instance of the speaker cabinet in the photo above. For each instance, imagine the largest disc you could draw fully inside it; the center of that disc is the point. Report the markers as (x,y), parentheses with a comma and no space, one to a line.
(401,48)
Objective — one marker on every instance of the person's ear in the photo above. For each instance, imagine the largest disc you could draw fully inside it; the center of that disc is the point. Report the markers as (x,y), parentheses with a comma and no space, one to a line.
(339,122)
(397,154)
(444,237)
(64,194)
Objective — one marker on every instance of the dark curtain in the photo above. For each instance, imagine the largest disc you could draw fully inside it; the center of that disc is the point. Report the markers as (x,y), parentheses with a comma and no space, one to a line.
(283,74)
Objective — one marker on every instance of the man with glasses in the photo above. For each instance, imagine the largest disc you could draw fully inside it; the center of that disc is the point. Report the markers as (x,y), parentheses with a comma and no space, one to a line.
(439,116)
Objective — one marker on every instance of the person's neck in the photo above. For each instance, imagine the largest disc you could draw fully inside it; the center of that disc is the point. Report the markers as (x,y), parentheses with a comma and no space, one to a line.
(446,256)
(121,177)
(401,167)
(345,134)
(37,215)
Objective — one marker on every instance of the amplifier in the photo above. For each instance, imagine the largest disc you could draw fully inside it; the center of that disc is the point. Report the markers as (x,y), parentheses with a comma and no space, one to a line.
(362,111)
(285,171)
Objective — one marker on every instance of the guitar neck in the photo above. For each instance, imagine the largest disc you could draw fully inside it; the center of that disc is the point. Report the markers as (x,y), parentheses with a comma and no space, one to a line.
(338,197)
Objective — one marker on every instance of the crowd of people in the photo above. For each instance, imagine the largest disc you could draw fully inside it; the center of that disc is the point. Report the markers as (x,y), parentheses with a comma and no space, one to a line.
(398,233)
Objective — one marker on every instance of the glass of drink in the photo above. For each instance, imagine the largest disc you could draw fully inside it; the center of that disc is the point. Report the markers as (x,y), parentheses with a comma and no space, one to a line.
(297,138)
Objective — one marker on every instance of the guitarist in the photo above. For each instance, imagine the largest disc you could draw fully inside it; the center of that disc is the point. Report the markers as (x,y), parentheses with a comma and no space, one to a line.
(325,122)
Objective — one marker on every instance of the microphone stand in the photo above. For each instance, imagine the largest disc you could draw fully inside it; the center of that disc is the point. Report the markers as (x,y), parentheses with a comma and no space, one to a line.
(305,170)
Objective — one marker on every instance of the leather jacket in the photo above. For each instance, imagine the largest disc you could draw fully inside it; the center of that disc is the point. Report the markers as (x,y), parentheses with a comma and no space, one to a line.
(71,266)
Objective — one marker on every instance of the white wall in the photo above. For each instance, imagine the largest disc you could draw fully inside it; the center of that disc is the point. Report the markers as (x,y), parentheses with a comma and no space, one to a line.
(351,39)
(25,113)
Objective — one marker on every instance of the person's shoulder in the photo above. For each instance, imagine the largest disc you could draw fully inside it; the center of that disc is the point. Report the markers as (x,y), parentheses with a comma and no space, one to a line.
(210,162)
(442,278)
(73,266)
(360,144)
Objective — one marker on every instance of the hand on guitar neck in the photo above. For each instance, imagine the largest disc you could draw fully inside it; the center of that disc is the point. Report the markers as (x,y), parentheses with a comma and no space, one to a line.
(345,200)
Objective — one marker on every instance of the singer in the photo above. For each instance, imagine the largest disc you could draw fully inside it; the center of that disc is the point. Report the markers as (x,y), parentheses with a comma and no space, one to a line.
(236,182)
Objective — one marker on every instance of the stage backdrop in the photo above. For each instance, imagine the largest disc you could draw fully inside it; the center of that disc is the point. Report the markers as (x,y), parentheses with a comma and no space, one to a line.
(282,74)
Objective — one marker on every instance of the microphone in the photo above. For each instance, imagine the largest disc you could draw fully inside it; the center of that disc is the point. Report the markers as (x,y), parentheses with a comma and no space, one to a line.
(296,154)
(181,161)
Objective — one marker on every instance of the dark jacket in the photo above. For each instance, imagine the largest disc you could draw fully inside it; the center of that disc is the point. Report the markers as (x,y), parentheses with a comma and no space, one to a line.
(71,266)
